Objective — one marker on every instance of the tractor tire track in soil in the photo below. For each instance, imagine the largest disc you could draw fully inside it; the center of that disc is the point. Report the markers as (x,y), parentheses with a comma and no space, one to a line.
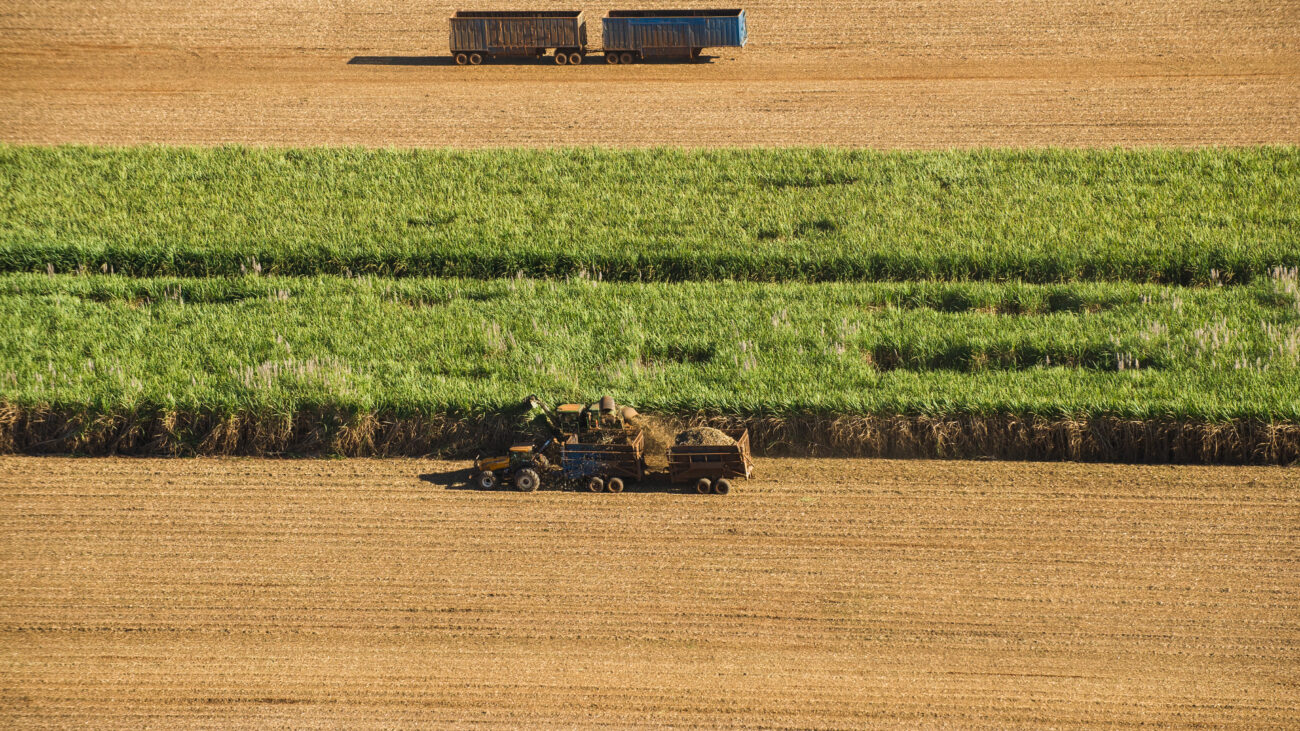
(828,593)
(876,73)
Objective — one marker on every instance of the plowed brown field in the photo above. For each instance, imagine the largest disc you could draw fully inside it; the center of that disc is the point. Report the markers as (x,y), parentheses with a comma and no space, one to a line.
(879,73)
(828,593)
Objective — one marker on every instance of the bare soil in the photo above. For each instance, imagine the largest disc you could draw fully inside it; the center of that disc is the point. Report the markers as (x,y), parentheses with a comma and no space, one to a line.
(827,593)
(876,73)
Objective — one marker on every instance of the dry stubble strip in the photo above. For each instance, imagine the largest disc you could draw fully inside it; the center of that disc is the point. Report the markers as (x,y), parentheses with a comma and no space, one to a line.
(30,430)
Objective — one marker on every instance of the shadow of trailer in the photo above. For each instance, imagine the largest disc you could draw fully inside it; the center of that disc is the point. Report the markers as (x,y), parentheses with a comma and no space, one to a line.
(477,35)
(603,459)
(712,466)
(635,35)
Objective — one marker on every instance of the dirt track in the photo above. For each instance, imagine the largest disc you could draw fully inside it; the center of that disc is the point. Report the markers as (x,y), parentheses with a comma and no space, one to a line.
(831,593)
(877,73)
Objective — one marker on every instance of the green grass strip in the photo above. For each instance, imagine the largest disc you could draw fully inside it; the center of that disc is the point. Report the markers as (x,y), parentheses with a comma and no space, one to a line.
(1162,216)
(268,345)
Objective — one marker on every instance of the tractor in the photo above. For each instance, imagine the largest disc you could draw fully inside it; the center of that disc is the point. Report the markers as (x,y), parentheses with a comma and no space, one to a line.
(522,466)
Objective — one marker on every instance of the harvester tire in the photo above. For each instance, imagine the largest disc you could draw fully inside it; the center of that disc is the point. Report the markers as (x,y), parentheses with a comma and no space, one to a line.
(722,487)
(702,486)
(527,480)
(595,484)
(486,480)
(615,484)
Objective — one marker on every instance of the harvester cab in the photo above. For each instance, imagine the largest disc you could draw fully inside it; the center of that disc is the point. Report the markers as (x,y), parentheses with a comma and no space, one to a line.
(522,466)
(569,419)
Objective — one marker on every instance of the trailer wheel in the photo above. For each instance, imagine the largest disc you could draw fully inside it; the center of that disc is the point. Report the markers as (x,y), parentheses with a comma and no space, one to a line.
(486,480)
(561,58)
(575,59)
(527,480)
(595,484)
(626,57)
(615,484)
(702,486)
(722,487)
(475,59)
(461,59)
(611,59)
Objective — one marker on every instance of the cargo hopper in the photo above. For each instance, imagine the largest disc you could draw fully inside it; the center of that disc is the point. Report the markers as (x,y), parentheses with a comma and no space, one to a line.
(601,459)
(479,35)
(635,35)
(712,467)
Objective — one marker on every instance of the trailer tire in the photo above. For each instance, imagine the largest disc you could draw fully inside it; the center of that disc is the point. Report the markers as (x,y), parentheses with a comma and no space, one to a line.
(702,486)
(615,484)
(611,59)
(595,484)
(626,57)
(722,487)
(485,480)
(561,58)
(461,59)
(475,59)
(575,59)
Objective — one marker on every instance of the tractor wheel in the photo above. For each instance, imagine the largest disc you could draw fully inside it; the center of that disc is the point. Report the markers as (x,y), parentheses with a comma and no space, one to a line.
(461,59)
(475,59)
(611,58)
(561,58)
(527,480)
(486,480)
(626,57)
(595,484)
(615,484)
(702,486)
(575,59)
(722,487)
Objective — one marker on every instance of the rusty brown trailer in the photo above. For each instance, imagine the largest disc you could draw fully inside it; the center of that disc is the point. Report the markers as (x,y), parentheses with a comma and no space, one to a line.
(709,465)
(477,35)
(603,458)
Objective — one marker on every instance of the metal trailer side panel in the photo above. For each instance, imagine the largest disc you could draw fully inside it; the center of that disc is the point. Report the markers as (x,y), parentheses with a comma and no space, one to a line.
(506,33)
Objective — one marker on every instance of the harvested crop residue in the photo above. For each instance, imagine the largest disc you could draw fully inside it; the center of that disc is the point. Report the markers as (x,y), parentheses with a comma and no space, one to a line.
(703,436)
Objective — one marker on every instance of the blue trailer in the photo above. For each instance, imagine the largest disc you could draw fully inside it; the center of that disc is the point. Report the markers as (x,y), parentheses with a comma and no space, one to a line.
(632,35)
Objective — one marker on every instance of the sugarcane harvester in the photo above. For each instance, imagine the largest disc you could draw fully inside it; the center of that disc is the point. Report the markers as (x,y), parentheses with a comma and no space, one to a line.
(599,448)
